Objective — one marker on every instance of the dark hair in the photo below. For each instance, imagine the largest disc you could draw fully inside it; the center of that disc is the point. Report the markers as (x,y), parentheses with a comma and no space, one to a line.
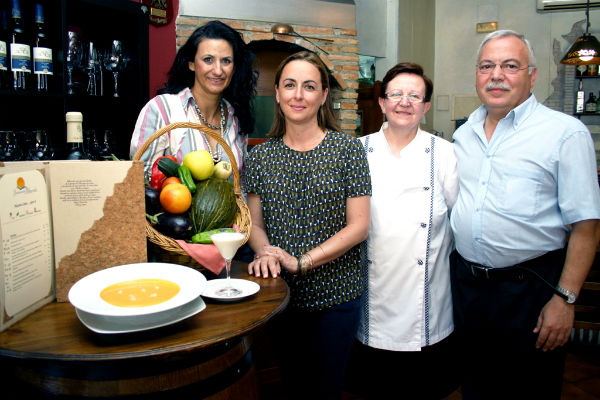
(325,117)
(407,68)
(242,89)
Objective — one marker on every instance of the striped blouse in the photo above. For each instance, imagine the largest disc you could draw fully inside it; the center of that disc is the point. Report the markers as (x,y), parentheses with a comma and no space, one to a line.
(169,108)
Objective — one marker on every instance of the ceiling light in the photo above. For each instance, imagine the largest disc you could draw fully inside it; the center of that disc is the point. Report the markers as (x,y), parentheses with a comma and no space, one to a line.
(586,49)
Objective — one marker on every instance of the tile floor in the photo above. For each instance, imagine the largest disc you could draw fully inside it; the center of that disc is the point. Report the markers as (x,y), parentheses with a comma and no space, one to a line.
(581,380)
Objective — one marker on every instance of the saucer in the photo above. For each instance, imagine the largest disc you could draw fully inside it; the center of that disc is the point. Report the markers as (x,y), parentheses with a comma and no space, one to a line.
(126,324)
(247,287)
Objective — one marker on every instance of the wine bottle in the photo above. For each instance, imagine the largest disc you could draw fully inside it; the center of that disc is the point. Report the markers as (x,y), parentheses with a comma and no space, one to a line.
(590,104)
(580,101)
(20,51)
(4,75)
(75,150)
(42,53)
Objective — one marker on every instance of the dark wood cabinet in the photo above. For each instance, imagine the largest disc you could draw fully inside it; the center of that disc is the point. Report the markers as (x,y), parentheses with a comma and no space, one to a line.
(99,21)
(369,110)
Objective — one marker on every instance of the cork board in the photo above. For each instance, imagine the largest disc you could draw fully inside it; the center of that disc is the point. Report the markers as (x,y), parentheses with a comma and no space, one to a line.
(98,218)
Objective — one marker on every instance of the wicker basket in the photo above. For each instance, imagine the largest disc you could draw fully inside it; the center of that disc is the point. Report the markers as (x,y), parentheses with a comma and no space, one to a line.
(174,252)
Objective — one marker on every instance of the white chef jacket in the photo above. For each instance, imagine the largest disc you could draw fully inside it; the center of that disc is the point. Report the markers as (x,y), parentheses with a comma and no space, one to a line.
(407,303)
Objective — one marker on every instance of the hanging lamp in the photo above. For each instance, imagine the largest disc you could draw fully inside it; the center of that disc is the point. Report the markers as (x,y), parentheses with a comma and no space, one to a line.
(586,49)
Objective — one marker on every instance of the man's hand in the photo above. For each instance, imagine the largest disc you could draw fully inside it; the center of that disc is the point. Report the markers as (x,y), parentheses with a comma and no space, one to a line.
(554,324)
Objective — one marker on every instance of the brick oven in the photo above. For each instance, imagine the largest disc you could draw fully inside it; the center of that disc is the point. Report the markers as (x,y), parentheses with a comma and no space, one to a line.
(337,48)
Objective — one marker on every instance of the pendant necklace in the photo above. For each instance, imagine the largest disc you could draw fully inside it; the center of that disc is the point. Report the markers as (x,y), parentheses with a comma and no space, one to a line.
(216,155)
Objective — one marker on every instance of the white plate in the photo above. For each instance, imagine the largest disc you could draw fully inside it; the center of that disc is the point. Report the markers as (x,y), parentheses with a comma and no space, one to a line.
(85,293)
(248,288)
(111,324)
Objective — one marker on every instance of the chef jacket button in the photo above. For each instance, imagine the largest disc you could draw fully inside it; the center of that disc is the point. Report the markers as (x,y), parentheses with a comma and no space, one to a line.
(420,262)
(426,188)
(423,225)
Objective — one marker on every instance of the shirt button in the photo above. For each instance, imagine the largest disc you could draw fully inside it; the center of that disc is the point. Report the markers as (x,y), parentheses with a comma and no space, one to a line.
(420,262)
(423,225)
(426,188)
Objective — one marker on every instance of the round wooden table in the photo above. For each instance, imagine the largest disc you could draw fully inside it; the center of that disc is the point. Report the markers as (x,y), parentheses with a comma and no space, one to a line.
(51,353)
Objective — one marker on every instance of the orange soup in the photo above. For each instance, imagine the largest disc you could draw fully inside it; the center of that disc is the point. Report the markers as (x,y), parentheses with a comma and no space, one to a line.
(139,292)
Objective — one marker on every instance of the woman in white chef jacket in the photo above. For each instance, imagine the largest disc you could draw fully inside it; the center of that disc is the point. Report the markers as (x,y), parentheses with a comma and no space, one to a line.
(404,338)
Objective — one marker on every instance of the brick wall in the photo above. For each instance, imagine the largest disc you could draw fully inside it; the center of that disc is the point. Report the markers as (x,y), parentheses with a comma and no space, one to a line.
(337,47)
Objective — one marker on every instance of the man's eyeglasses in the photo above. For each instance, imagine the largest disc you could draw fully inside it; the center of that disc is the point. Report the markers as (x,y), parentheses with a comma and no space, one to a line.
(506,67)
(397,97)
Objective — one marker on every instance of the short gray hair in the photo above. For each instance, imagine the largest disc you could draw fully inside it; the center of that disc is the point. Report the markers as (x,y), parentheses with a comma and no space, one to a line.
(505,33)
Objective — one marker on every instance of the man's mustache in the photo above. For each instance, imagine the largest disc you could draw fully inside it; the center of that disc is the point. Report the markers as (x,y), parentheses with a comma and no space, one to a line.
(497,85)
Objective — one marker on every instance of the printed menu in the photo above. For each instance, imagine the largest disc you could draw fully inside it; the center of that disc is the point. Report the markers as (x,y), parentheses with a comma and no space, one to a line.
(27,262)
(61,221)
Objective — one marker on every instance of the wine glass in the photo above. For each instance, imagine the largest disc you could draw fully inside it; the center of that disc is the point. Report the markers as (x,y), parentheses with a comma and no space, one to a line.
(90,144)
(3,143)
(93,62)
(101,71)
(106,145)
(115,61)
(40,147)
(228,243)
(11,146)
(74,57)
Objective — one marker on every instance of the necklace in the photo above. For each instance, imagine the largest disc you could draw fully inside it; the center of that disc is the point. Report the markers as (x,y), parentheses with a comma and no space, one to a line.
(213,127)
(216,155)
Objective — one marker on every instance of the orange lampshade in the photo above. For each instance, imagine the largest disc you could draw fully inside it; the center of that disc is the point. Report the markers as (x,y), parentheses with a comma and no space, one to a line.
(585,50)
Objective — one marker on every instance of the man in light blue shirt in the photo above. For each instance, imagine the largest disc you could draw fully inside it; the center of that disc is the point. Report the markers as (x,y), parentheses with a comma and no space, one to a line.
(528,178)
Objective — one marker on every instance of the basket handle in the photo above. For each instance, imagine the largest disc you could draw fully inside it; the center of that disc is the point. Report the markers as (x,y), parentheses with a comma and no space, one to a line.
(212,133)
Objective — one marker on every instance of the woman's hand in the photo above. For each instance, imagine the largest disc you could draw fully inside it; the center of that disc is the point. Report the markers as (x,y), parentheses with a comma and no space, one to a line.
(264,264)
(286,260)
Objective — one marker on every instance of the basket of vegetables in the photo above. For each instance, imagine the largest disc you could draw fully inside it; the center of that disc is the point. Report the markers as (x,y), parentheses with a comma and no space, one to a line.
(184,203)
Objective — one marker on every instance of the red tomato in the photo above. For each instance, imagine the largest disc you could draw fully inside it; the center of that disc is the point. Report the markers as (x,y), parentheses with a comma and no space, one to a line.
(175,198)
(157,175)
(171,179)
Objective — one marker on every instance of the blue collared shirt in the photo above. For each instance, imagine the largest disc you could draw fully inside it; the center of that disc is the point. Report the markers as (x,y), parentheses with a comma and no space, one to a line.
(520,191)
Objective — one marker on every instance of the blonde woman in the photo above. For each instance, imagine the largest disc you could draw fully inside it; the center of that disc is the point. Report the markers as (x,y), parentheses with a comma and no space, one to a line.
(308,193)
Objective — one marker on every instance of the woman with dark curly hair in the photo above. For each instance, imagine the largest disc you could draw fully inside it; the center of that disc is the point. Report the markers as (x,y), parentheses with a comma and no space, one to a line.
(212,83)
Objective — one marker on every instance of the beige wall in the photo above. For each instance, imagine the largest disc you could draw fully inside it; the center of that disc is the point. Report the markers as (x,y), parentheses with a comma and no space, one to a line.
(456,43)
(417,40)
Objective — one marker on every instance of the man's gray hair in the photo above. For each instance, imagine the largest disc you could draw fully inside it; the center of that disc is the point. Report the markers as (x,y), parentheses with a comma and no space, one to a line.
(506,33)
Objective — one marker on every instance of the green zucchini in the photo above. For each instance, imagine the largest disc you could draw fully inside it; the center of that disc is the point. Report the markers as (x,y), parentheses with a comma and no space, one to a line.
(204,237)
(167,167)
(185,176)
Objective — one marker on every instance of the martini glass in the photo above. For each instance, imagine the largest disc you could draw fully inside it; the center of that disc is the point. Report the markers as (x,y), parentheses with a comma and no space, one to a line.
(228,243)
